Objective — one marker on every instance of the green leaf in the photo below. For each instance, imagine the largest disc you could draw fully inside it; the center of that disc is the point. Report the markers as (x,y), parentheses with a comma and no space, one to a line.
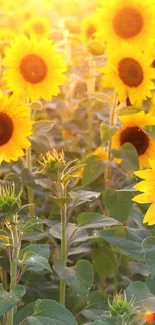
(27,178)
(104,260)
(139,290)
(33,223)
(42,250)
(79,277)
(95,220)
(40,143)
(118,203)
(94,168)
(95,305)
(73,234)
(129,110)
(107,132)
(150,130)
(35,262)
(81,196)
(19,291)
(129,155)
(128,241)
(8,301)
(23,314)
(149,253)
(58,314)
(41,321)
(35,257)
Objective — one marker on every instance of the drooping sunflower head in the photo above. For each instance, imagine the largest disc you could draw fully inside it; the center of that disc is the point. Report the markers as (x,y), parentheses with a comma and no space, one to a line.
(34,69)
(147,187)
(15,127)
(129,20)
(39,26)
(130,73)
(132,132)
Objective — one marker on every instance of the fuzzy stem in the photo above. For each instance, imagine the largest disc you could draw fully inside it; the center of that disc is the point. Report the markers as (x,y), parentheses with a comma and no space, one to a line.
(63,251)
(13,263)
(30,190)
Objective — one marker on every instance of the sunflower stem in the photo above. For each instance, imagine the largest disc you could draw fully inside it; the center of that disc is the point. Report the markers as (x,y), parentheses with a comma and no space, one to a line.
(13,262)
(112,119)
(63,248)
(30,190)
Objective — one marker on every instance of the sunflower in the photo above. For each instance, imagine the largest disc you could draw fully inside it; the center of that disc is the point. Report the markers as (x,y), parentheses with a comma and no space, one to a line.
(130,73)
(147,187)
(132,132)
(39,26)
(15,127)
(34,69)
(129,20)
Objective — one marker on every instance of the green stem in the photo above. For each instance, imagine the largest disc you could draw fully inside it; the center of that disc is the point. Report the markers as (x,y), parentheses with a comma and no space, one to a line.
(112,119)
(30,190)
(3,277)
(63,250)
(13,263)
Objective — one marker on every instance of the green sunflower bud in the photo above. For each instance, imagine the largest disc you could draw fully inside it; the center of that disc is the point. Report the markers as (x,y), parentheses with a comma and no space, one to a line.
(120,305)
(53,164)
(10,203)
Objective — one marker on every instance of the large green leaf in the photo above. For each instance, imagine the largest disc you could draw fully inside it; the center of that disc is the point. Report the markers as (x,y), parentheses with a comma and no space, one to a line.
(53,310)
(118,203)
(128,241)
(104,260)
(95,220)
(129,155)
(81,196)
(79,277)
(149,253)
(94,169)
(139,290)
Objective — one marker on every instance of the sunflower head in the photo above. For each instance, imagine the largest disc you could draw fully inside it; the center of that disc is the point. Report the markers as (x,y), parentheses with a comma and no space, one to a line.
(10,202)
(52,164)
(129,71)
(15,128)
(39,26)
(130,21)
(30,69)
(89,28)
(132,132)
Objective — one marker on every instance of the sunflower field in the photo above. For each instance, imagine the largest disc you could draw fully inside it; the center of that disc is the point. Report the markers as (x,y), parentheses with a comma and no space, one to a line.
(77,162)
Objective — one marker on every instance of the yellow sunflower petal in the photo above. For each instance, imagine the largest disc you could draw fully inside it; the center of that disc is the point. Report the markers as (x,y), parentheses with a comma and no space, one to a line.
(150,215)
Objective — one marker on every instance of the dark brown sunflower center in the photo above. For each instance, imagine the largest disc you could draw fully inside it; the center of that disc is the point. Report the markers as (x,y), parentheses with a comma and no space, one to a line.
(130,72)
(6,128)
(90,31)
(33,68)
(128,22)
(38,28)
(136,137)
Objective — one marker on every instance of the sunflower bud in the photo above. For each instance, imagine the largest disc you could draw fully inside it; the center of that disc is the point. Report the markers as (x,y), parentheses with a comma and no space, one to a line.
(120,305)
(53,164)
(10,203)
